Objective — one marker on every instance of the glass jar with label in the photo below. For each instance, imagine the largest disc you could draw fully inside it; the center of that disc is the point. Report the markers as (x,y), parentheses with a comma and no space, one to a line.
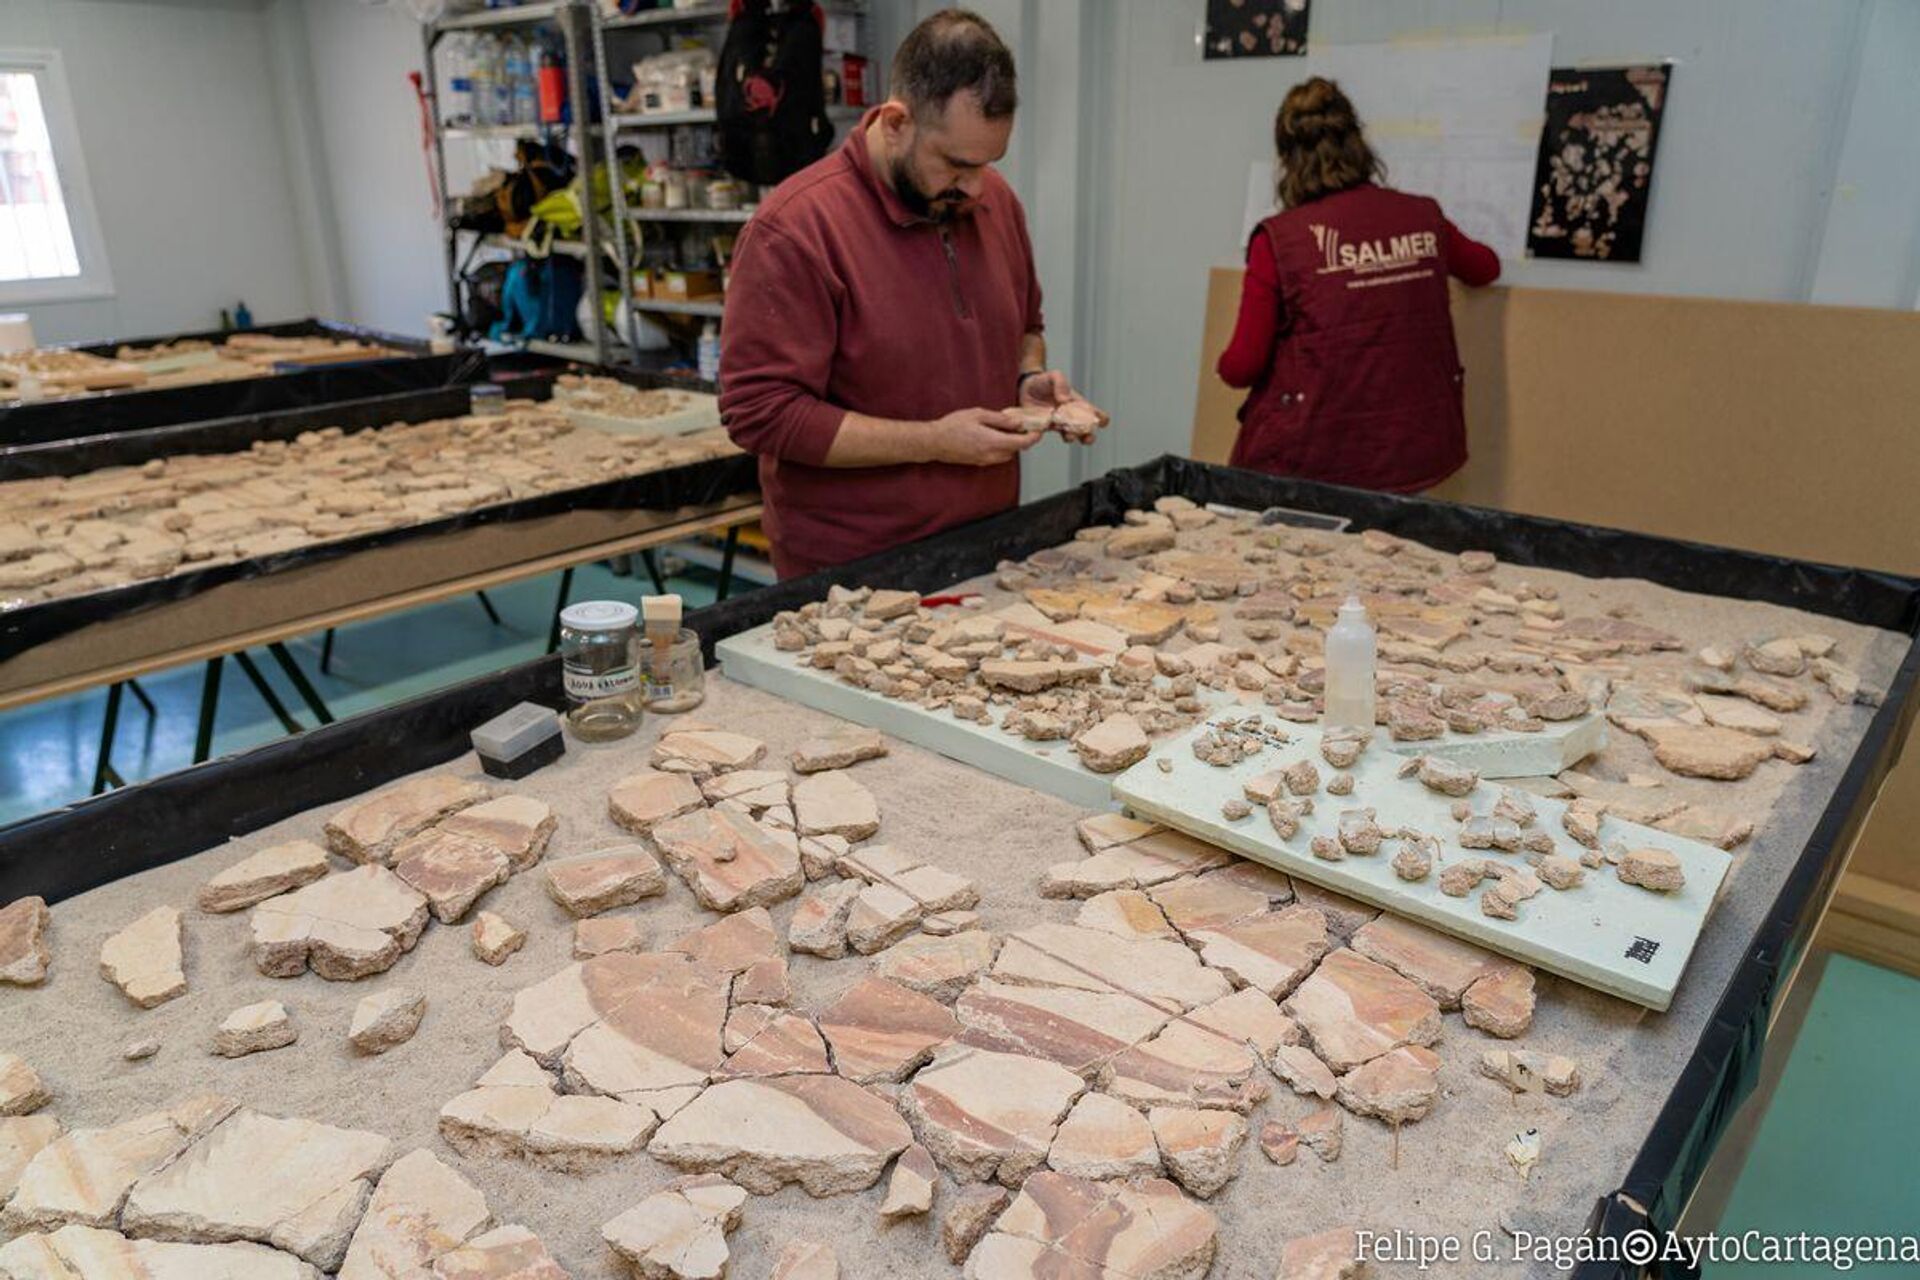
(486,400)
(675,676)
(604,691)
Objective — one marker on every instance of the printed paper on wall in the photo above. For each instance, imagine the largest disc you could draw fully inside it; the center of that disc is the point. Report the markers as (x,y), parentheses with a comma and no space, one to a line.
(1595,170)
(1256,28)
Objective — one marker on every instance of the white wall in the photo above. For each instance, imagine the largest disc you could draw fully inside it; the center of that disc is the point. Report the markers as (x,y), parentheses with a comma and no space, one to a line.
(1870,247)
(1757,123)
(386,258)
(179,123)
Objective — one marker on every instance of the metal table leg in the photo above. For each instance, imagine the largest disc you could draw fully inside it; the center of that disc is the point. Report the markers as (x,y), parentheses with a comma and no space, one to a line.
(140,695)
(326,653)
(553,632)
(103,763)
(726,562)
(301,685)
(209,705)
(267,695)
(653,572)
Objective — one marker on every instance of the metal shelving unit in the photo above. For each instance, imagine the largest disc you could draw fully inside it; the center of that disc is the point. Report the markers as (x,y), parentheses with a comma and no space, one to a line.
(691,215)
(517,16)
(668,307)
(584,352)
(666,21)
(495,132)
(565,248)
(682,14)
(585,29)
(667,119)
(577,23)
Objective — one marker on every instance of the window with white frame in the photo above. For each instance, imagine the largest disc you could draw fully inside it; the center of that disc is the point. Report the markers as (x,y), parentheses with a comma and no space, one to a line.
(50,245)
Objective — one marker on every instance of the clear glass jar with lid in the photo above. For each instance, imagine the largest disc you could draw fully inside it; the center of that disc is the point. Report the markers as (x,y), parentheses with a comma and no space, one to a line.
(605,695)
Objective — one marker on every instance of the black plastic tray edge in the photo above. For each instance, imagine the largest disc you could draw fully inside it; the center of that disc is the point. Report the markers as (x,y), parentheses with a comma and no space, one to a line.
(311,326)
(232,434)
(135,409)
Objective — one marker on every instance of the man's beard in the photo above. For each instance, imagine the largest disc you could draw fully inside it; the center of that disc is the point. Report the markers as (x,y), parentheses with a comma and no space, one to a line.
(944,207)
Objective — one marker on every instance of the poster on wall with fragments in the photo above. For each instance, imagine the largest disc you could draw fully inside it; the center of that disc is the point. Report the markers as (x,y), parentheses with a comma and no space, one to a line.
(1595,171)
(1256,28)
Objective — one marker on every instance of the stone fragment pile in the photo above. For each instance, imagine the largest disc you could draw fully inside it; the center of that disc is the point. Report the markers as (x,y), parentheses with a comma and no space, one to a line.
(427,849)
(207,1187)
(69,535)
(1131,632)
(1109,1068)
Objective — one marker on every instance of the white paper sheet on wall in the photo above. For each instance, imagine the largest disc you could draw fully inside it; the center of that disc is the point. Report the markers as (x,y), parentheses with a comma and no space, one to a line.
(1458,120)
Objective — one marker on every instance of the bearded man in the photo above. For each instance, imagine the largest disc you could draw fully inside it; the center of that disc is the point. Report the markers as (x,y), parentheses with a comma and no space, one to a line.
(882,351)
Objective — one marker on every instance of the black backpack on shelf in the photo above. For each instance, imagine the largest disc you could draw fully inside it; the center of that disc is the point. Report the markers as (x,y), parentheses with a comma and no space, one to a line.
(771,103)
(484,298)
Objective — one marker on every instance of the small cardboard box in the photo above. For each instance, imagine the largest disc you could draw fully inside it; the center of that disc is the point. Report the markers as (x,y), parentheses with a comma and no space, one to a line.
(687,286)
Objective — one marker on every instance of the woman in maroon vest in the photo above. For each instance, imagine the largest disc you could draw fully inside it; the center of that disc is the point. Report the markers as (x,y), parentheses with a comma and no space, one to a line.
(1344,333)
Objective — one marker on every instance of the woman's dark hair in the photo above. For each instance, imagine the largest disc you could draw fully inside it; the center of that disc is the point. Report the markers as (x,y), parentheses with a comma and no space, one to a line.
(1318,140)
(952,50)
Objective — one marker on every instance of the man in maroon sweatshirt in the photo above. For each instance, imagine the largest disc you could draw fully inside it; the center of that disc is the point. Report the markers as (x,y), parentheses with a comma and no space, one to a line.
(884,312)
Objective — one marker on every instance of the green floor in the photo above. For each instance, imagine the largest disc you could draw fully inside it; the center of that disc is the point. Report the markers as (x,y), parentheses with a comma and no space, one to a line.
(48,750)
(1836,1154)
(1839,1150)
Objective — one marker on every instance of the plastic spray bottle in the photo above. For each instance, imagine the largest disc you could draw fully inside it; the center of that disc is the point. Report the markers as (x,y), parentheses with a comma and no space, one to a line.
(1352,656)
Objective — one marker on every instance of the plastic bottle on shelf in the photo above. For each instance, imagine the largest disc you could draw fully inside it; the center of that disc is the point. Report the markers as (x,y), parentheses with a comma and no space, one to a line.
(523,97)
(457,101)
(481,77)
(502,108)
(552,82)
(710,352)
(1352,657)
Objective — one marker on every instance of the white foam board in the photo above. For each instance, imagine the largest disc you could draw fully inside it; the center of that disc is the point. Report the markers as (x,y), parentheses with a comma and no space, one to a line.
(1619,938)
(699,412)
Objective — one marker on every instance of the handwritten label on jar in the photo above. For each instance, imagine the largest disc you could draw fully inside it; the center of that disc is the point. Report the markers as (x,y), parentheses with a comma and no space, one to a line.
(587,685)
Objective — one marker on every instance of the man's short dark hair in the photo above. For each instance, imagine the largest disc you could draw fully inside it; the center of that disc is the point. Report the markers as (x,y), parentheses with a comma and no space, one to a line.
(954,50)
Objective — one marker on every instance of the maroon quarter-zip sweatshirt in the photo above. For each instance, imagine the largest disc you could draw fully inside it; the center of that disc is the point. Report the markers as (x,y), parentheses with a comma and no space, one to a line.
(840,299)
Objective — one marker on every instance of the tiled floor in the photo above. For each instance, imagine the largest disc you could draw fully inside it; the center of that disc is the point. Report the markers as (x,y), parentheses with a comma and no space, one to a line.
(1836,1154)
(48,750)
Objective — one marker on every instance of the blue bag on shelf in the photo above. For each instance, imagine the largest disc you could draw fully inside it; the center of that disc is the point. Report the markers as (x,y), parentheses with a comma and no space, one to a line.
(539,300)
